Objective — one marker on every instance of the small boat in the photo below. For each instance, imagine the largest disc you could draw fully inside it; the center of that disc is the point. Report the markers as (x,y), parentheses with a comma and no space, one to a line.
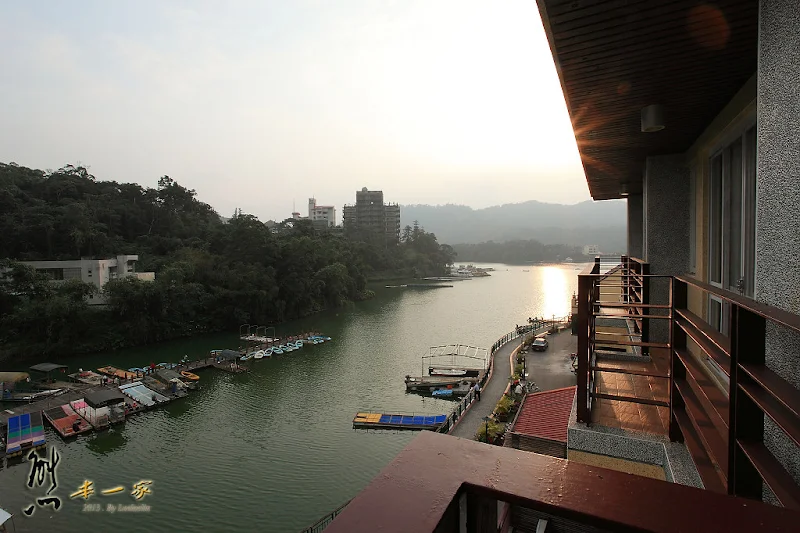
(442,392)
(268,352)
(189,375)
(298,344)
(277,350)
(259,354)
(448,372)
(287,348)
(248,356)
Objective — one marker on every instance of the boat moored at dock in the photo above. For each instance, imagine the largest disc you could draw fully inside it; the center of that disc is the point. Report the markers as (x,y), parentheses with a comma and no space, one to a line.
(412,422)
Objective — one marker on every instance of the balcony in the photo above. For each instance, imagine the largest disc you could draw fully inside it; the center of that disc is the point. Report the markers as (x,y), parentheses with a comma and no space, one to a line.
(440,483)
(649,362)
(641,372)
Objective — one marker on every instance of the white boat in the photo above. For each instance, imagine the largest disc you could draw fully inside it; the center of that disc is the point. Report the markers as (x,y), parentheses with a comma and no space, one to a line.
(447,372)
(259,354)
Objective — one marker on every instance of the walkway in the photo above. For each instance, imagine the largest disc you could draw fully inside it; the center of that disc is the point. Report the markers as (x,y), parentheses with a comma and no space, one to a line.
(470,422)
(552,369)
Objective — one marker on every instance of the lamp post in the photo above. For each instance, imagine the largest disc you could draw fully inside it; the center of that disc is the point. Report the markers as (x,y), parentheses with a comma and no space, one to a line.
(486,435)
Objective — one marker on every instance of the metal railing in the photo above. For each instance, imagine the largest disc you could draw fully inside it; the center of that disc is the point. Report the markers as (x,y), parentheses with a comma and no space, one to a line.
(323,522)
(722,427)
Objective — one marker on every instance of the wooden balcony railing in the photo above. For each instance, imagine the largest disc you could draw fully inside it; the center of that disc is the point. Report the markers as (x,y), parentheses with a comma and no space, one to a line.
(617,289)
(722,429)
(445,485)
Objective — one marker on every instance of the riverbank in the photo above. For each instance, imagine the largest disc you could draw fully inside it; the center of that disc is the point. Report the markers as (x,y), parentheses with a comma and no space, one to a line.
(238,431)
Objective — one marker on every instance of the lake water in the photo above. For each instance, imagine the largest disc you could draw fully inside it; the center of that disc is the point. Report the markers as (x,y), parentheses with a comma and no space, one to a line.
(274,450)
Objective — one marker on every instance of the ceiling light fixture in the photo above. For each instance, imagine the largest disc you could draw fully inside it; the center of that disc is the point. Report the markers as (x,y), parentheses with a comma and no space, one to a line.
(652,118)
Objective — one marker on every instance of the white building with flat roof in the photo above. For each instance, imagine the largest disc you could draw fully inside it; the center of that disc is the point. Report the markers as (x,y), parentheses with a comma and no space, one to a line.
(326,213)
(591,250)
(98,272)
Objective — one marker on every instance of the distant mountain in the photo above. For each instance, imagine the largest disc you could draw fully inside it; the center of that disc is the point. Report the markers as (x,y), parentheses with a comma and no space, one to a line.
(600,223)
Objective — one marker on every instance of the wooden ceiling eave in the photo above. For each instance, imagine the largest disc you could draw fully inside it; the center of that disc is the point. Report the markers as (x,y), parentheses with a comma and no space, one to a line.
(614,57)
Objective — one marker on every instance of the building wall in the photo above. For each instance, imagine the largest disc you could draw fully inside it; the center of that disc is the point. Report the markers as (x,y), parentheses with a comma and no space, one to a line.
(98,272)
(778,197)
(635,226)
(371,214)
(666,232)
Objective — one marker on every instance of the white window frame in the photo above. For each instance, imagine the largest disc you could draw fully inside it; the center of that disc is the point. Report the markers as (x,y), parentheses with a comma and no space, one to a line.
(747,234)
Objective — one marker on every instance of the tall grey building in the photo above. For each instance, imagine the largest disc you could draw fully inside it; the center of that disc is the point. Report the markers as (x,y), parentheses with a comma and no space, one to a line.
(371,214)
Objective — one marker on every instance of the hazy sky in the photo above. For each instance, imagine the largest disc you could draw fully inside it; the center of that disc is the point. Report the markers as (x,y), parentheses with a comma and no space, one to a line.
(256,104)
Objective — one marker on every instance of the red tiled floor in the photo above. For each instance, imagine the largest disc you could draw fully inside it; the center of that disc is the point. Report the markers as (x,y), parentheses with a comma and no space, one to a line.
(630,415)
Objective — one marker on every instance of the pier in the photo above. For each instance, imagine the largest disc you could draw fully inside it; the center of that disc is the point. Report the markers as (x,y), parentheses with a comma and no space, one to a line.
(398,421)
(70,413)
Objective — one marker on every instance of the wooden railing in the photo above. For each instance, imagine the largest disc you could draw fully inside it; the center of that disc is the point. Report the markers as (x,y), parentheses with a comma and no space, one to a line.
(629,279)
(722,427)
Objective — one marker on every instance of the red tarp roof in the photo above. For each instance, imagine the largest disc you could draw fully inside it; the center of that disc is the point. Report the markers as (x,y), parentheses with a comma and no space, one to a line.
(546,414)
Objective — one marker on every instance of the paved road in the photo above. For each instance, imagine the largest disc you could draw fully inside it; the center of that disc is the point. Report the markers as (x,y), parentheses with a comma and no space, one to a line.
(493,390)
(553,369)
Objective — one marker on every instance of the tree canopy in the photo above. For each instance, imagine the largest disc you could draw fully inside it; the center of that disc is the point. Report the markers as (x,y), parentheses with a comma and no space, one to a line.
(210,274)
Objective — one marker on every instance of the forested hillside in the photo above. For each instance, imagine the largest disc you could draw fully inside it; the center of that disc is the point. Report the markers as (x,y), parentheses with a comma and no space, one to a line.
(600,223)
(516,252)
(210,275)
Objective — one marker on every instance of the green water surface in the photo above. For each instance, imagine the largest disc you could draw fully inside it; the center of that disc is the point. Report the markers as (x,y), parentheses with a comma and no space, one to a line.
(273,450)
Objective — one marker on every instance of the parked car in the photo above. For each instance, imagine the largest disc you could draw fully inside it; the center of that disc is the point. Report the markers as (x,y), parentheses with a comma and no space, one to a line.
(540,344)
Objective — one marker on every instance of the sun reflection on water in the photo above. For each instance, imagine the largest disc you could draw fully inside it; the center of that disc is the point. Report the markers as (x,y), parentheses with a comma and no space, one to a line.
(555,291)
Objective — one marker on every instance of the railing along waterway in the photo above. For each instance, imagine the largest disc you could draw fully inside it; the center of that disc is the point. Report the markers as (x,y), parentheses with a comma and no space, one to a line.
(466,401)
(463,404)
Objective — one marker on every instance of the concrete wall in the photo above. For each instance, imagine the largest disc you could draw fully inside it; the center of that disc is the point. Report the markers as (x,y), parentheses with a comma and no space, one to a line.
(778,196)
(666,231)
(635,226)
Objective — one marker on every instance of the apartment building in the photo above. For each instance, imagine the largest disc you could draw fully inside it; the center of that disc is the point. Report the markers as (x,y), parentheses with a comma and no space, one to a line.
(323,213)
(372,215)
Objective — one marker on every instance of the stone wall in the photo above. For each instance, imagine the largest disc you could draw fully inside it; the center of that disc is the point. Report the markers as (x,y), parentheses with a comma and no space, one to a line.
(635,226)
(778,197)
(666,229)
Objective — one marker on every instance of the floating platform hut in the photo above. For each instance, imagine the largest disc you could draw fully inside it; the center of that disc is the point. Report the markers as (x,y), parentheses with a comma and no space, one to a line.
(138,392)
(398,421)
(25,433)
(66,421)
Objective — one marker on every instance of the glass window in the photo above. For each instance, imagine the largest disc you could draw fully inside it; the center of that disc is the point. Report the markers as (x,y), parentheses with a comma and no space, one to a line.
(715,222)
(735,217)
(693,220)
(749,200)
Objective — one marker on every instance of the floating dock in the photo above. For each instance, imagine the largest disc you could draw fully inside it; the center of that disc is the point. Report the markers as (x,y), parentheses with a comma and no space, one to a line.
(139,393)
(115,372)
(66,421)
(398,421)
(25,433)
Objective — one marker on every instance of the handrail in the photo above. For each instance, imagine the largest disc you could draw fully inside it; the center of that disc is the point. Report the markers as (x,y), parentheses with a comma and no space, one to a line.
(772,313)
(754,392)
(323,522)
